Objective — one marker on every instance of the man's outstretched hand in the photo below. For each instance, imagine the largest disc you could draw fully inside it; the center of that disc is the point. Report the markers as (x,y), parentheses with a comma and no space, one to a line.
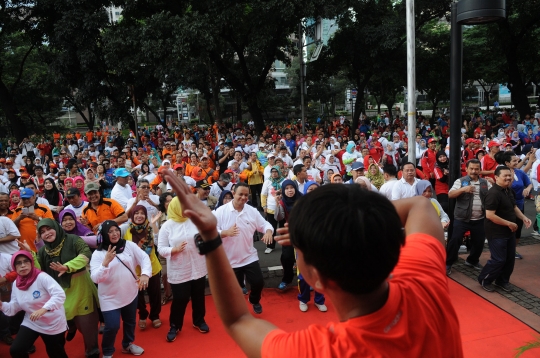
(283,238)
(193,208)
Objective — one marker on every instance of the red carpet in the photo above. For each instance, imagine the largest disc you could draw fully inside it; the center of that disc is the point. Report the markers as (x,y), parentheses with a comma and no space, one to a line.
(487,331)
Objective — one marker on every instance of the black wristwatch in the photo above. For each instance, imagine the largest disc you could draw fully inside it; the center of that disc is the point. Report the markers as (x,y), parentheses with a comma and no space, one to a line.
(205,247)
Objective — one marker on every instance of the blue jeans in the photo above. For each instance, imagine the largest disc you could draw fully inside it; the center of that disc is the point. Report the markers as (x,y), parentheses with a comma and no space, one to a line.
(112,325)
(501,264)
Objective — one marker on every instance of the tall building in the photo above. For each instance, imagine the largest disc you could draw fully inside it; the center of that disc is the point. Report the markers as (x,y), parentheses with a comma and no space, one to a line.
(114,13)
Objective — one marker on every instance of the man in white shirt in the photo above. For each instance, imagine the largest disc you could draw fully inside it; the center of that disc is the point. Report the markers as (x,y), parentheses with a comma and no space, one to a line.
(110,147)
(283,154)
(313,174)
(236,223)
(8,234)
(145,198)
(73,196)
(239,159)
(271,162)
(300,172)
(406,186)
(121,191)
(223,183)
(389,173)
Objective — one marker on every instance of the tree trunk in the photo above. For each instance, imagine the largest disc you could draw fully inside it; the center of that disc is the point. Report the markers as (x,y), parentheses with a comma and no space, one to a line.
(12,114)
(358,107)
(256,113)
(518,91)
(164,104)
(238,107)
(434,104)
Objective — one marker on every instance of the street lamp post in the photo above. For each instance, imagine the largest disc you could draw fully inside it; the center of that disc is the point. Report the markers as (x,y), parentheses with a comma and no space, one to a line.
(411,80)
(464,12)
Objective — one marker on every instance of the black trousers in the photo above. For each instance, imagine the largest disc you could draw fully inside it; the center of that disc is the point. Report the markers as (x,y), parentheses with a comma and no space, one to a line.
(519,223)
(182,293)
(254,277)
(500,266)
(476,227)
(54,344)
(256,190)
(287,261)
(271,219)
(154,298)
(443,200)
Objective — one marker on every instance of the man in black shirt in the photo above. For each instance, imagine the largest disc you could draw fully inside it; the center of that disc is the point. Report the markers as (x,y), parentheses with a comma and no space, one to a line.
(500,227)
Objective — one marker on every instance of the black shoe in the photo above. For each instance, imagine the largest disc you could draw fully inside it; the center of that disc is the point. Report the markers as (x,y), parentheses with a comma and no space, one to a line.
(31,349)
(257,308)
(173,332)
(203,327)
(72,331)
(504,286)
(487,286)
(476,266)
(7,339)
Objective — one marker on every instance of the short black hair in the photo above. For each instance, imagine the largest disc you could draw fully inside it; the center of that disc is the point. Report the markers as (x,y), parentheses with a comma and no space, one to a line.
(473,161)
(297,168)
(390,170)
(500,157)
(407,163)
(506,156)
(499,169)
(353,244)
(240,184)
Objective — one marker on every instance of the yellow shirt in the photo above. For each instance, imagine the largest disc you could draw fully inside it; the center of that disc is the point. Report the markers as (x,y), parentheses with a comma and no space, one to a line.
(156,265)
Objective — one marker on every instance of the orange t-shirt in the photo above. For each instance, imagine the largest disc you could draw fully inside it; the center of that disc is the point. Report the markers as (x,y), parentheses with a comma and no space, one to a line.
(28,227)
(418,320)
(89,136)
(56,137)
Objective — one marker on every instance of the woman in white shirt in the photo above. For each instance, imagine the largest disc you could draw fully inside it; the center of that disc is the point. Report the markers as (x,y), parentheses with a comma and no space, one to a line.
(186,269)
(270,197)
(42,300)
(113,267)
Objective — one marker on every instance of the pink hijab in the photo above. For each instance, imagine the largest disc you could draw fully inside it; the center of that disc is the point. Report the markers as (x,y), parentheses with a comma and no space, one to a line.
(23,282)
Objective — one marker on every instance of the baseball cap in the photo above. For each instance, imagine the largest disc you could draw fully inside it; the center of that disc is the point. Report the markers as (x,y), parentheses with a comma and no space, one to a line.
(203,184)
(72,192)
(469,140)
(91,186)
(2,160)
(432,140)
(178,166)
(9,161)
(121,173)
(27,193)
(357,165)
(493,144)
(271,155)
(261,145)
(25,175)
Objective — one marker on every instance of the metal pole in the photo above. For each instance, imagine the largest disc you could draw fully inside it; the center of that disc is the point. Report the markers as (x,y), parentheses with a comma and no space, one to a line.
(411,81)
(301,54)
(456,82)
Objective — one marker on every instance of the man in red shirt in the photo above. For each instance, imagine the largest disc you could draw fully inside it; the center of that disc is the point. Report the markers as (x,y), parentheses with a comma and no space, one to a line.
(488,162)
(385,291)
(429,159)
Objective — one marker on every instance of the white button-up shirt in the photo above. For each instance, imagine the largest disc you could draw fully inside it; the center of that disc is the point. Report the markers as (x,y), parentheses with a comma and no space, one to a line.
(239,248)
(150,209)
(184,266)
(386,188)
(402,189)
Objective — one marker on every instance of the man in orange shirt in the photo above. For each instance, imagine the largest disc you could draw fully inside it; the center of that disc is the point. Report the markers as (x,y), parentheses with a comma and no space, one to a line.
(89,136)
(27,215)
(391,294)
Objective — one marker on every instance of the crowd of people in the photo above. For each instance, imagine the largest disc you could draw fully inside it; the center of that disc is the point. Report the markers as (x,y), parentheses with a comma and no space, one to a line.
(92,224)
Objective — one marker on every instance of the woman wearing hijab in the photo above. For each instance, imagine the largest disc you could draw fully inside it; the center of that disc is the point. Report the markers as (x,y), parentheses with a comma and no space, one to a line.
(187,269)
(270,196)
(113,267)
(350,157)
(53,196)
(310,186)
(68,221)
(42,300)
(141,232)
(441,178)
(78,182)
(14,199)
(224,198)
(290,195)
(65,257)
(336,179)
(375,176)
(390,156)
(424,188)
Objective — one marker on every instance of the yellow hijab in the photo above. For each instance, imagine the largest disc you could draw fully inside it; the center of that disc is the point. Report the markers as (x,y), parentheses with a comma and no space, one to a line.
(174,212)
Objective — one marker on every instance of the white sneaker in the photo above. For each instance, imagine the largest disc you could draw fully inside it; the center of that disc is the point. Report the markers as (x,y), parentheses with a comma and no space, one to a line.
(321,308)
(303,307)
(133,349)
(268,250)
